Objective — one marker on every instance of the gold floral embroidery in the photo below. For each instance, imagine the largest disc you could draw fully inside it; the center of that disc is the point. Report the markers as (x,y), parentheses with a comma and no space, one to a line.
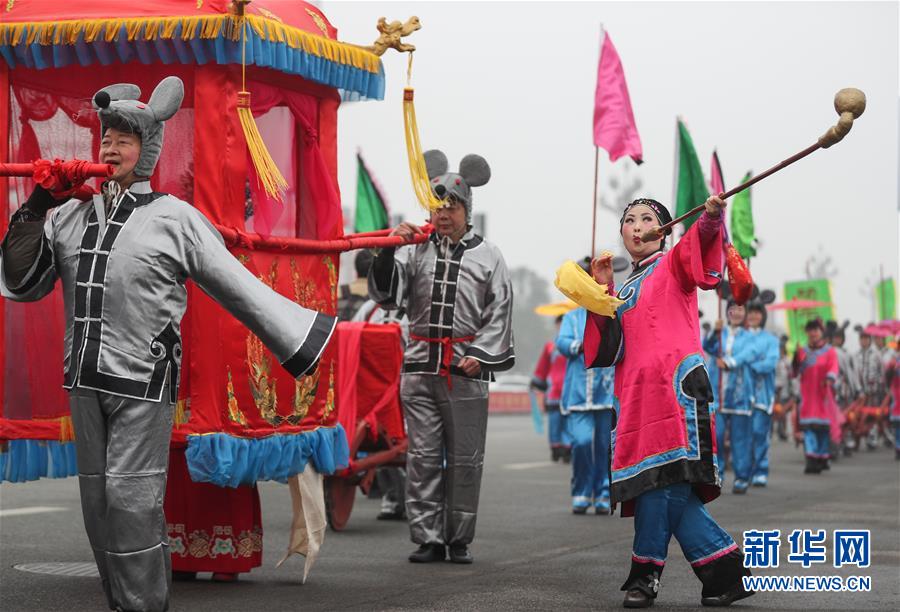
(305,389)
(221,543)
(332,280)
(320,23)
(198,544)
(262,383)
(329,398)
(234,411)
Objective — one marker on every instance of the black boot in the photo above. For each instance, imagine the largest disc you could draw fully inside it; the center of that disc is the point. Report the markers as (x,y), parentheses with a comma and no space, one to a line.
(812,466)
(723,580)
(459,553)
(428,553)
(642,592)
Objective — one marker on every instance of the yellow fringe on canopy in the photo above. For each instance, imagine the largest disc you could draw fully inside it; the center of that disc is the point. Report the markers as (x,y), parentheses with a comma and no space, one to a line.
(180,417)
(417,169)
(269,175)
(578,286)
(66,429)
(206,26)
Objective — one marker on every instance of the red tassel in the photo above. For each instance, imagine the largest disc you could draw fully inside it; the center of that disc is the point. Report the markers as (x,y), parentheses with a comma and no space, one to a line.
(738,275)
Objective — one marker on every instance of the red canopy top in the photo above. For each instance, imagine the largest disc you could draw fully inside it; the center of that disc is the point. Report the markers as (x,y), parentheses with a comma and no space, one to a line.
(293,13)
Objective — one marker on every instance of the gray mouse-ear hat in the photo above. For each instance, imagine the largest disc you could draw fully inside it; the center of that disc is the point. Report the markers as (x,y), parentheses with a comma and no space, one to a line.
(119,107)
(474,171)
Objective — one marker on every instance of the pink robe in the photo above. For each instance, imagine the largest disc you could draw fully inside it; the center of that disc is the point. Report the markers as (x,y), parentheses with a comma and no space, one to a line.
(551,367)
(664,431)
(893,372)
(818,369)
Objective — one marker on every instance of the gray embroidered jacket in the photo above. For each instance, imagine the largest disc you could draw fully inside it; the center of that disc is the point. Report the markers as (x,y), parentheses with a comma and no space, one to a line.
(123,285)
(451,292)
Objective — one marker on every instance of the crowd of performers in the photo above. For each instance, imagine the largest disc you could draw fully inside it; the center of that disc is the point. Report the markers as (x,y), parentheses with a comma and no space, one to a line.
(631,402)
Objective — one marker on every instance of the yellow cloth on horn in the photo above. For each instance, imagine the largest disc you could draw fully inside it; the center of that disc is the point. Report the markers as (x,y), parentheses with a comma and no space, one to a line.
(578,286)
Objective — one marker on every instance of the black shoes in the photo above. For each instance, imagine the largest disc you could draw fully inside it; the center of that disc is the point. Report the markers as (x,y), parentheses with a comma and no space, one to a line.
(387,515)
(728,597)
(428,553)
(812,466)
(642,592)
(459,553)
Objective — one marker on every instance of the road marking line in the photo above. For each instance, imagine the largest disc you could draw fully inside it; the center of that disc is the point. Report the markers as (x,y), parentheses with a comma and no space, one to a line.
(31,510)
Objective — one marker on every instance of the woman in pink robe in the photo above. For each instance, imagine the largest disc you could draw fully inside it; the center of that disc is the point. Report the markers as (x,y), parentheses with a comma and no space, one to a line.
(663,468)
(817,367)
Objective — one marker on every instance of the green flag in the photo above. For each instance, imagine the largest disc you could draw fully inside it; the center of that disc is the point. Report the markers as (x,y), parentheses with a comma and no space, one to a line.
(690,186)
(886,298)
(816,290)
(742,231)
(371,212)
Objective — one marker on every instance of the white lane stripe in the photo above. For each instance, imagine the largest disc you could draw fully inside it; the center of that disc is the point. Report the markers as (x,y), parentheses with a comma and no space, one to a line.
(31,510)
(526,466)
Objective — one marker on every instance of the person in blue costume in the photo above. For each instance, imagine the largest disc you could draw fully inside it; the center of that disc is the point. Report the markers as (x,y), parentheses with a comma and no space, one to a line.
(758,355)
(733,409)
(587,400)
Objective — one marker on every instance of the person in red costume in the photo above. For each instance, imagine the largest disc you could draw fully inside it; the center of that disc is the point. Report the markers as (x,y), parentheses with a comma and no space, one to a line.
(817,367)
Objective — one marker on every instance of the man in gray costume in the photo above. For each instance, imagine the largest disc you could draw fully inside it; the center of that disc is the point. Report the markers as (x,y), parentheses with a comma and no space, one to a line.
(123,259)
(456,291)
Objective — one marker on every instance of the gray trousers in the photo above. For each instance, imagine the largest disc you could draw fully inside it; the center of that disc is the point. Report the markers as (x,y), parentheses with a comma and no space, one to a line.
(446,430)
(122,447)
(392,483)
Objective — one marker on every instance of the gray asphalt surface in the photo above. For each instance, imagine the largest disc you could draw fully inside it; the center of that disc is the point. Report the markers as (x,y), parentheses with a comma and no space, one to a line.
(531,552)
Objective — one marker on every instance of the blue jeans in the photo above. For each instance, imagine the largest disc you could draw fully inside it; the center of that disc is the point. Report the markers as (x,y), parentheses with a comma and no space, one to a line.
(762,432)
(739,427)
(556,426)
(590,431)
(816,443)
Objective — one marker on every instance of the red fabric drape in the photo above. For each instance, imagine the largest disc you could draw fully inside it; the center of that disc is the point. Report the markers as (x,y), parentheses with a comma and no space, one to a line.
(230,372)
(348,339)
(378,382)
(4,199)
(320,210)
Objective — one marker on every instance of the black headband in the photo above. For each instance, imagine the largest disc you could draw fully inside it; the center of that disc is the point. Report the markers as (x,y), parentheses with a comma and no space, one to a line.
(662,213)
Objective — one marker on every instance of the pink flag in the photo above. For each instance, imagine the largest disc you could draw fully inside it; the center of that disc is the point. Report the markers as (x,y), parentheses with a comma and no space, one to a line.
(614,127)
(716,182)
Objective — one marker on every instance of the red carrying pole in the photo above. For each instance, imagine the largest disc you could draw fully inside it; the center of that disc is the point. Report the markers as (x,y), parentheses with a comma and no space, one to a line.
(236,238)
(85,170)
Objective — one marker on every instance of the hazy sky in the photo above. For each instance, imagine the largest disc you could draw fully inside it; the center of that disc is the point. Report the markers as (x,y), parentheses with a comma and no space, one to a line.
(515,82)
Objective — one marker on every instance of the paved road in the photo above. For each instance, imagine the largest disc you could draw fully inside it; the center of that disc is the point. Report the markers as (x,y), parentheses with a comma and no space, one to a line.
(531,553)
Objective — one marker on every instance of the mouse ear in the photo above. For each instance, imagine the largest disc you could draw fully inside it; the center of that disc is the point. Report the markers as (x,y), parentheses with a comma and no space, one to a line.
(435,163)
(118,91)
(766,296)
(475,170)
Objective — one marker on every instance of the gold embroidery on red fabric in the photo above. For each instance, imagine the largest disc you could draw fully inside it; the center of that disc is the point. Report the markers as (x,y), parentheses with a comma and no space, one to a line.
(234,411)
(259,364)
(329,399)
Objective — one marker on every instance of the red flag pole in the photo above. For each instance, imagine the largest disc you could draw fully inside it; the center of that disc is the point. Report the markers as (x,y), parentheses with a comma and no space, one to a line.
(594,208)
